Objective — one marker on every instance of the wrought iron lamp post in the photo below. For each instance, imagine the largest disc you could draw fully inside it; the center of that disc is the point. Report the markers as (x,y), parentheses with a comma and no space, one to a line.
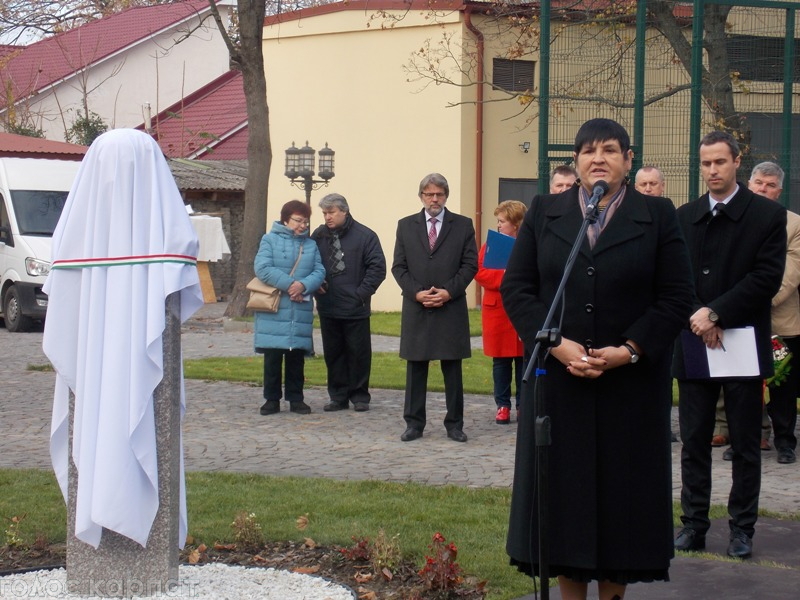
(300,168)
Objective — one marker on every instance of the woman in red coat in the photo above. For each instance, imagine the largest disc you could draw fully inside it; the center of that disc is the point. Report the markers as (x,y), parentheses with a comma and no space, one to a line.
(500,340)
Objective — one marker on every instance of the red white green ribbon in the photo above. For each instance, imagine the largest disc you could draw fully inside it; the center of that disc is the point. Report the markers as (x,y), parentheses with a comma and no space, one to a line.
(147,259)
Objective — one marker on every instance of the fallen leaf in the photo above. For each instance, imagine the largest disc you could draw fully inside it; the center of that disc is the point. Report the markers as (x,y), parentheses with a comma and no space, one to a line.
(302,522)
(222,547)
(306,570)
(202,548)
(362,577)
(309,543)
(368,596)
(387,574)
(189,540)
(194,557)
(259,559)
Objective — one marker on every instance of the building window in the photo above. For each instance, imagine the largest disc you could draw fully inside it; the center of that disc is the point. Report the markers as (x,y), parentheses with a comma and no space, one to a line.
(513,75)
(758,58)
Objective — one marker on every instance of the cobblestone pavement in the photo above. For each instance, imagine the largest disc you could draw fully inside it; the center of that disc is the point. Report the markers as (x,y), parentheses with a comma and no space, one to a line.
(223,430)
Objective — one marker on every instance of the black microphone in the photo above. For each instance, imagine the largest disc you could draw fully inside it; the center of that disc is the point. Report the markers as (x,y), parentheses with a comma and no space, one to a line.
(599,190)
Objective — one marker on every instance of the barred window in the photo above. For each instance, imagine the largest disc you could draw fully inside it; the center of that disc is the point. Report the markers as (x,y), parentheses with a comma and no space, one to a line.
(759,58)
(513,75)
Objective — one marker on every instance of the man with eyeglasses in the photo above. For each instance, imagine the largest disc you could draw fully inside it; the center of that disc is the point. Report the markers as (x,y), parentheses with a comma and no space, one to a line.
(435,259)
(355,266)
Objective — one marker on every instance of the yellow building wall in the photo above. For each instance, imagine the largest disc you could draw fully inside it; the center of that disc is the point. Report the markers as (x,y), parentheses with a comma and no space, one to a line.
(339,79)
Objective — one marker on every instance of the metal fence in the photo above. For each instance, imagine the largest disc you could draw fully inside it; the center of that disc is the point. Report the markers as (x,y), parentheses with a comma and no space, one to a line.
(739,70)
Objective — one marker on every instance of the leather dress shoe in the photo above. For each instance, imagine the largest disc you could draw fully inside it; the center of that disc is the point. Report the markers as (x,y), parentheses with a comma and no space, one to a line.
(719,440)
(728,454)
(673,437)
(457,435)
(299,407)
(270,407)
(334,406)
(361,406)
(410,435)
(765,445)
(689,540)
(741,545)
(786,456)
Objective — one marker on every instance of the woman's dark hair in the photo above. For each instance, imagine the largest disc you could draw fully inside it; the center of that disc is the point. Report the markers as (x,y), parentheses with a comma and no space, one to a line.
(601,130)
(295,207)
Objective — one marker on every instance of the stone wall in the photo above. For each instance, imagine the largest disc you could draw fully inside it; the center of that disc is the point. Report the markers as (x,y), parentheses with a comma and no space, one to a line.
(230,207)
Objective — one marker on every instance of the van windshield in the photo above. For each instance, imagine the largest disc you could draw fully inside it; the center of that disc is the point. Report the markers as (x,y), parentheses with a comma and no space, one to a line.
(37,211)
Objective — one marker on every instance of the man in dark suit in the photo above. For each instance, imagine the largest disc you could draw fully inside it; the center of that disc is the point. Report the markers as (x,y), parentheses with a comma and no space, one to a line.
(737,246)
(435,259)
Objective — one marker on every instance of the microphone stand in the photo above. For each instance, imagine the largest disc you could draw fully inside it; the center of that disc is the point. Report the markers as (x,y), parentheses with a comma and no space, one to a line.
(550,338)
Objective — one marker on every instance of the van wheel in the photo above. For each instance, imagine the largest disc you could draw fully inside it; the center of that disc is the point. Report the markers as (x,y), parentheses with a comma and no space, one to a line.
(12,312)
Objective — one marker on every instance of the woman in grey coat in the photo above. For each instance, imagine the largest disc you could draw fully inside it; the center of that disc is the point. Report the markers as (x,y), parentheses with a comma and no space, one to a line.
(287,334)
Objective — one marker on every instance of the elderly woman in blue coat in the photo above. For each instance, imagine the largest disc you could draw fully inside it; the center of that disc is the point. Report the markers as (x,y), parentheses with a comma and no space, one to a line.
(286,335)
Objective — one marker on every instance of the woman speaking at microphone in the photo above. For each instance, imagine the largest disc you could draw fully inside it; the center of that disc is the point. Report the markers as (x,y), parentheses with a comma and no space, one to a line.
(607,385)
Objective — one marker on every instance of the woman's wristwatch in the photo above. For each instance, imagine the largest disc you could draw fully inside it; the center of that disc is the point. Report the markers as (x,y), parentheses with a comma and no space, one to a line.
(632,350)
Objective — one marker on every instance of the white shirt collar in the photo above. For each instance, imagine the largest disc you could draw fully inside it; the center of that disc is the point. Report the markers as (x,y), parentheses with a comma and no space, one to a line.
(712,203)
(439,217)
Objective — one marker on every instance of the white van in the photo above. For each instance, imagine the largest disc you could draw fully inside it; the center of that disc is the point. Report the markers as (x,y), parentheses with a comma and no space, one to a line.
(33,193)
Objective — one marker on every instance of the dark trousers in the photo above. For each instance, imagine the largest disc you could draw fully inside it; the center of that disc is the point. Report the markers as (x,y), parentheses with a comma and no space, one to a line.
(417,389)
(697,403)
(347,347)
(502,375)
(295,374)
(782,407)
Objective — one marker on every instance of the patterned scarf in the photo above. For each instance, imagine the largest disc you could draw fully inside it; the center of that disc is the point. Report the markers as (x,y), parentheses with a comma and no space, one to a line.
(336,258)
(335,262)
(596,228)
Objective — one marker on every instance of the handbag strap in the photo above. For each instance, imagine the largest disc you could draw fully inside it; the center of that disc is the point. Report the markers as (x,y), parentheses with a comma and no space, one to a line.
(297,261)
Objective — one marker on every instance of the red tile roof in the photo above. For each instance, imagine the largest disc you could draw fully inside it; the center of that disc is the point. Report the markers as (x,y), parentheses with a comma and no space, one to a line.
(210,123)
(47,61)
(31,147)
(233,147)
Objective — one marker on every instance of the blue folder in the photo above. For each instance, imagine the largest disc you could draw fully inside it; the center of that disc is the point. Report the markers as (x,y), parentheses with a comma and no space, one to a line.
(498,249)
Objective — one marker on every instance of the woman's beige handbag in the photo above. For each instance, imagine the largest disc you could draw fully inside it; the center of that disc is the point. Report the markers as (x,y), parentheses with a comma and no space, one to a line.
(265,297)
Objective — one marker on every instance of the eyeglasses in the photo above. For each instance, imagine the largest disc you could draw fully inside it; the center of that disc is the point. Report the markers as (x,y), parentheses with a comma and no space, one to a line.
(430,195)
(299,221)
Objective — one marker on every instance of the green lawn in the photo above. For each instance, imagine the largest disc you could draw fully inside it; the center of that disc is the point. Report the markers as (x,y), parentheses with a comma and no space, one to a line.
(388,323)
(476,520)
(388,372)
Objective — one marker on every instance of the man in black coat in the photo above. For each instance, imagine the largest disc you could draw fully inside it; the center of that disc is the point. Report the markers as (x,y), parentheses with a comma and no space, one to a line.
(435,259)
(354,268)
(737,246)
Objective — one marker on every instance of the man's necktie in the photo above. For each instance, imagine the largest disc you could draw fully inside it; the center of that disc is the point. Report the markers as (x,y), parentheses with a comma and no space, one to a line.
(432,233)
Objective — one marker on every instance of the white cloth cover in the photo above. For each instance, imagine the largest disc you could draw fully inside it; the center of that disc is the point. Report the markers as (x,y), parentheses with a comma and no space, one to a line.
(213,245)
(123,243)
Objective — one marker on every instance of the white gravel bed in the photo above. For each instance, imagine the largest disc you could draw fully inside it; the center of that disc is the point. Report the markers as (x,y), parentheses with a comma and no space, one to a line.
(213,581)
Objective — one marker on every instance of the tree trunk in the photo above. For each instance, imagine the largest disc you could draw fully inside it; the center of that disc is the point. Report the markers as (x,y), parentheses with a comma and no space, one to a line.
(250,61)
(717,87)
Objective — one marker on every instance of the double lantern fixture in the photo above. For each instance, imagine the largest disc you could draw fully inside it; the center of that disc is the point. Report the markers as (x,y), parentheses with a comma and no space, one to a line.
(300,167)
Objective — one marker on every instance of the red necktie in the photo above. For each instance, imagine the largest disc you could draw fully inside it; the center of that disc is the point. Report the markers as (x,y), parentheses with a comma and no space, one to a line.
(432,233)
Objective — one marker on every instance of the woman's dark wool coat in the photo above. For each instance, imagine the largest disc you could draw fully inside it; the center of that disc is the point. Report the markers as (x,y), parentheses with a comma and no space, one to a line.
(610,458)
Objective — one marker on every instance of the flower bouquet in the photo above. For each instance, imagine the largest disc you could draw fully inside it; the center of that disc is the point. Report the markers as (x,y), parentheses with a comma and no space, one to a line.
(780,358)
